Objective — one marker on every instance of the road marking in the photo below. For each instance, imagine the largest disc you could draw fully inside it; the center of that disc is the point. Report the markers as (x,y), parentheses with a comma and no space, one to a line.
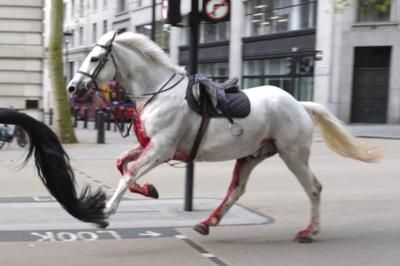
(151,234)
(201,250)
(43,199)
(68,235)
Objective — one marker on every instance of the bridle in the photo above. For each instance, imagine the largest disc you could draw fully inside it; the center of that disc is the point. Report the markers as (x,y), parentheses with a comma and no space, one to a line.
(103,60)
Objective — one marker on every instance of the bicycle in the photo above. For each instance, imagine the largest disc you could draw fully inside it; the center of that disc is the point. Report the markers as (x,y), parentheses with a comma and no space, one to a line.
(18,133)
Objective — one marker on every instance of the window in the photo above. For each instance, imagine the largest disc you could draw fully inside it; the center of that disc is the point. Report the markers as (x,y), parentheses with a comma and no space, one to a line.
(139,3)
(32,104)
(71,70)
(293,74)
(105,26)
(161,35)
(94,5)
(273,16)
(373,11)
(121,30)
(218,72)
(80,35)
(94,32)
(121,5)
(72,8)
(81,8)
(72,40)
(212,32)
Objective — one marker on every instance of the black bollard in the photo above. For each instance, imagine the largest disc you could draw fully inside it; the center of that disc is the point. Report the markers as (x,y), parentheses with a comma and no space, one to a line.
(100,127)
(51,117)
(95,117)
(76,115)
(85,118)
(123,125)
(108,118)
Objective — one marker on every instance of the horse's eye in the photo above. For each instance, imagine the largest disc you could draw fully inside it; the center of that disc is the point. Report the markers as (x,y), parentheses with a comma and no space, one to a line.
(94,59)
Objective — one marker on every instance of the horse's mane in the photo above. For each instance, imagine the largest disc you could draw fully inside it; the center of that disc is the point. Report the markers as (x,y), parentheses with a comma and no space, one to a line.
(148,48)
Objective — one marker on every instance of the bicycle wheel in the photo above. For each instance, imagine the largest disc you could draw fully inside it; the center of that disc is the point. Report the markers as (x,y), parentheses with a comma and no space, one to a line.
(20,135)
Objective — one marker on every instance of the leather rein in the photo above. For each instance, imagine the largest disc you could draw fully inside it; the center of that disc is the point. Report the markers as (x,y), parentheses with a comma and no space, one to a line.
(102,62)
(204,102)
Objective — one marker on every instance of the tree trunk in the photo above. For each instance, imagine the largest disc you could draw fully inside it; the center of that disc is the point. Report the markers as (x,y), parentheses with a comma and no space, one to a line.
(62,115)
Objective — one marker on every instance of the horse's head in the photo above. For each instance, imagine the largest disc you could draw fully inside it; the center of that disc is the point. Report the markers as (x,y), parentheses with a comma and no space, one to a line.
(98,67)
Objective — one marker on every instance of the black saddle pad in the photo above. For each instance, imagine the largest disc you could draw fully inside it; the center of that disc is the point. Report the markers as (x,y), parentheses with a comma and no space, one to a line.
(238,103)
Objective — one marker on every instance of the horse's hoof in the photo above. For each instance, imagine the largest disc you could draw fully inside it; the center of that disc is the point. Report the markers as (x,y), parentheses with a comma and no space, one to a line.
(202,229)
(103,224)
(152,191)
(305,240)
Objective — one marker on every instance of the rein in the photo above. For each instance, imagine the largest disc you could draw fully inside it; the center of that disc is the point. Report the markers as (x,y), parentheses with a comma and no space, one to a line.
(103,60)
(153,96)
(99,67)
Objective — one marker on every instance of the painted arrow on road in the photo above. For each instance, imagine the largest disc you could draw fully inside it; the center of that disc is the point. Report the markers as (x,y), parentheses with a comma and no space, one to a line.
(151,234)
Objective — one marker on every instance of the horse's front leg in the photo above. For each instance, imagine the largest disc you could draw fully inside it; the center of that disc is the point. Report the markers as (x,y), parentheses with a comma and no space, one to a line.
(149,157)
(126,157)
(147,190)
(241,174)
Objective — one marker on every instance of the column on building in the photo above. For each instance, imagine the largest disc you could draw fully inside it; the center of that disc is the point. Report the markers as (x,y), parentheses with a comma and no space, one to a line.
(323,68)
(295,15)
(236,34)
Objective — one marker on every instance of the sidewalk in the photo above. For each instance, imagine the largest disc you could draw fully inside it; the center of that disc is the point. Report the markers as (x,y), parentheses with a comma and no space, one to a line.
(360,203)
(384,131)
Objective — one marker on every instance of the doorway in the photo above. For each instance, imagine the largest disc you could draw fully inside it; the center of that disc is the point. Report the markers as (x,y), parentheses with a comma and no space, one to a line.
(370,84)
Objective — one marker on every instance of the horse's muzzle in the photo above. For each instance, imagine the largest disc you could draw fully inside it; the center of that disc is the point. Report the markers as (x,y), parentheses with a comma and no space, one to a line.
(79,90)
(71,90)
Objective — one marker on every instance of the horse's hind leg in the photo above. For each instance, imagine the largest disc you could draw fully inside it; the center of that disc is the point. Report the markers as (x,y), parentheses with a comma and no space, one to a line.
(297,162)
(147,190)
(241,174)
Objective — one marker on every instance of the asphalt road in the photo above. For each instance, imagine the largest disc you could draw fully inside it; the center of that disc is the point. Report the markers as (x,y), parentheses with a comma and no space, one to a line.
(360,214)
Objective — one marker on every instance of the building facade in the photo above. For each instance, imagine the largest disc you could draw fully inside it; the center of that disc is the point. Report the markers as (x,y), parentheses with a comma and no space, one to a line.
(310,48)
(357,79)
(21,55)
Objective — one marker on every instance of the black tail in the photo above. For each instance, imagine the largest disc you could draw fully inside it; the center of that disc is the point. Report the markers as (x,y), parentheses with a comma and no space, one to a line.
(52,163)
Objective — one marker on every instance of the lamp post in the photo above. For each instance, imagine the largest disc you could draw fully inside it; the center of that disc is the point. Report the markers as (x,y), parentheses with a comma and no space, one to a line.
(67,40)
(153,21)
(194,20)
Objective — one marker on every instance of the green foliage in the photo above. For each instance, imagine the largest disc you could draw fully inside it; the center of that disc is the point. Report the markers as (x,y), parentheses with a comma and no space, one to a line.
(63,123)
(380,5)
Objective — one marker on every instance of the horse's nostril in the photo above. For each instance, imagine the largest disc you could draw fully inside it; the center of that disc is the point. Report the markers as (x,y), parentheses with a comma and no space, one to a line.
(71,89)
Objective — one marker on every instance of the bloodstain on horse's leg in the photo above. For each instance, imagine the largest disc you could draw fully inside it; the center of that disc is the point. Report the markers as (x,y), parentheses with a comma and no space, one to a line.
(119,164)
(305,236)
(215,217)
(140,131)
(180,156)
(126,157)
(147,190)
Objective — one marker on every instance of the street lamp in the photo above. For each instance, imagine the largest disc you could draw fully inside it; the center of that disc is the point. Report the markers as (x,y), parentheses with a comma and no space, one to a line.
(67,39)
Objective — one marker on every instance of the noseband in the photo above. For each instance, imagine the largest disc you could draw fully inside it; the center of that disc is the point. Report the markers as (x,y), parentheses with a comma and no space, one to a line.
(103,60)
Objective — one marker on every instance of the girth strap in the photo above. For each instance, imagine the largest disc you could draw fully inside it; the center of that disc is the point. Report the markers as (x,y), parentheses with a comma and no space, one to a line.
(205,119)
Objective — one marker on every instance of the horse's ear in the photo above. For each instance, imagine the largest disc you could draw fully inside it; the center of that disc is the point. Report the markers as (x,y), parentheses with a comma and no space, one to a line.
(113,37)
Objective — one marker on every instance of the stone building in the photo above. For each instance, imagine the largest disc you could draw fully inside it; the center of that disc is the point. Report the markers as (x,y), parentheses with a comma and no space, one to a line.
(21,55)
(344,59)
(357,78)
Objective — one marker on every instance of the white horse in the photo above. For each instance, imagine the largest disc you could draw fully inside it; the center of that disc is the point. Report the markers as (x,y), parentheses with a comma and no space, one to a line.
(166,126)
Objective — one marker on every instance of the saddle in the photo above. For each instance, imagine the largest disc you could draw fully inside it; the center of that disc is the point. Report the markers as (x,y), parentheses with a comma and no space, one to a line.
(226,99)
(211,99)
